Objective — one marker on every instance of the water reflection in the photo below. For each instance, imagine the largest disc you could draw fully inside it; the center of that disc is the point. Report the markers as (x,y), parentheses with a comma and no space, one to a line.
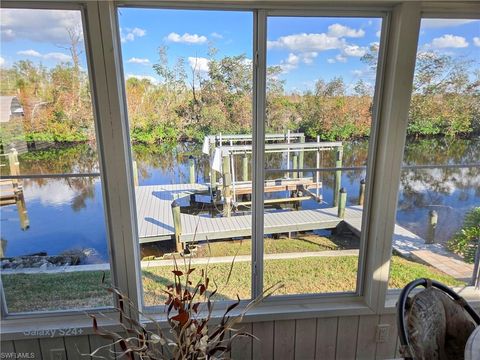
(68,213)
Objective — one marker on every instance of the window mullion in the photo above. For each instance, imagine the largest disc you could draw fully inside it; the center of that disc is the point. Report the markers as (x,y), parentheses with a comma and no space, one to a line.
(113,141)
(258,147)
(399,60)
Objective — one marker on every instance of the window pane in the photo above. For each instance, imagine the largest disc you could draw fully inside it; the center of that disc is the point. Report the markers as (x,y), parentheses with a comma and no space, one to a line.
(189,92)
(320,85)
(54,247)
(438,211)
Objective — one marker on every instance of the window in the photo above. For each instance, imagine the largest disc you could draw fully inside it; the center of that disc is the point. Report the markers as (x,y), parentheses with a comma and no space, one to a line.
(201,185)
(53,237)
(321,75)
(438,210)
(189,96)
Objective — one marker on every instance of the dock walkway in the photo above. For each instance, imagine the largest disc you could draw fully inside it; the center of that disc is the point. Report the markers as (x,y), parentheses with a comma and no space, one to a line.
(155,219)
(155,223)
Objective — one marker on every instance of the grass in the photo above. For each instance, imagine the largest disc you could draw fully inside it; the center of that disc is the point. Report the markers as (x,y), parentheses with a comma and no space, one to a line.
(281,245)
(33,292)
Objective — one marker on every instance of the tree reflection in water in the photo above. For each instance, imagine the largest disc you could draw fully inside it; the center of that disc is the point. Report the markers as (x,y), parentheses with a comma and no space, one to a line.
(451,192)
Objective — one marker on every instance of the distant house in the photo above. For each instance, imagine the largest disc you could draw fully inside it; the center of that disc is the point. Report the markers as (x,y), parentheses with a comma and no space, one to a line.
(10,108)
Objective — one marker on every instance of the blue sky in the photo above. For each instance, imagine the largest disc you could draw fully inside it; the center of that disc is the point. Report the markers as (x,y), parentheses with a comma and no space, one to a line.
(305,48)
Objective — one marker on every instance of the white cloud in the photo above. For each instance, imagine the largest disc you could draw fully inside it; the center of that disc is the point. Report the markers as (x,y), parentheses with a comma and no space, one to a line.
(140,61)
(303,44)
(443,23)
(378,33)
(357,73)
(293,60)
(31,53)
(354,50)
(216,35)
(338,58)
(54,192)
(2,61)
(55,56)
(131,34)
(49,26)
(152,79)
(128,37)
(186,38)
(306,42)
(308,57)
(199,64)
(338,30)
(138,32)
(290,63)
(476,41)
(448,41)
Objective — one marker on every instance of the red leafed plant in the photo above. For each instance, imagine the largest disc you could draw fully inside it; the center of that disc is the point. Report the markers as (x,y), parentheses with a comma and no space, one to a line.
(190,334)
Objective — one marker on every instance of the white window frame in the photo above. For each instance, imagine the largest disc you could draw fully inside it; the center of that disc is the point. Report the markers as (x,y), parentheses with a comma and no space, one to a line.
(429,11)
(399,40)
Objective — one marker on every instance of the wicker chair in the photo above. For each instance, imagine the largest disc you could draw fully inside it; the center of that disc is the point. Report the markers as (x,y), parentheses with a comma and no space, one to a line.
(435,323)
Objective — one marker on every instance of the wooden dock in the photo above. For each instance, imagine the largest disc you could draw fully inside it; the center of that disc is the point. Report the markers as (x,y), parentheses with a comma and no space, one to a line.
(155,219)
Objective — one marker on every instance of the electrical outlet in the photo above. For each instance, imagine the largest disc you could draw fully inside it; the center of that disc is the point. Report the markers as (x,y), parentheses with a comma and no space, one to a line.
(58,354)
(382,332)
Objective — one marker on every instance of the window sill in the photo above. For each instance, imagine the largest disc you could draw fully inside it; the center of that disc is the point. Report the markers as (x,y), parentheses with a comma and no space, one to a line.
(80,324)
(39,326)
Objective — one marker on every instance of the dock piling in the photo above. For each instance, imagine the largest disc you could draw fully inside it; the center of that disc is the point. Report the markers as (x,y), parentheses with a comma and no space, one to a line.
(295,166)
(432,225)
(191,166)
(14,166)
(301,156)
(342,203)
(135,172)
(245,167)
(177,224)
(338,175)
(317,174)
(227,187)
(22,211)
(361,195)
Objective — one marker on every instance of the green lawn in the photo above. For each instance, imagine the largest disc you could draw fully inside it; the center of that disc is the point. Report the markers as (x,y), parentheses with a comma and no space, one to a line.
(302,243)
(30,292)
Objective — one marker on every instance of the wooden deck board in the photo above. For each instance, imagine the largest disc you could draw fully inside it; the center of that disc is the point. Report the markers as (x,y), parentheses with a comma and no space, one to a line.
(155,221)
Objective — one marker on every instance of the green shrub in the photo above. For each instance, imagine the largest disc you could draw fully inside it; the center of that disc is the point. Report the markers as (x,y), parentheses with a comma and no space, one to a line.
(467,239)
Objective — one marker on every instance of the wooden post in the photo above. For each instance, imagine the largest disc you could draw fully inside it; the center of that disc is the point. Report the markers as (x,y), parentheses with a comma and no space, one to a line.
(338,175)
(317,174)
(191,167)
(245,167)
(301,156)
(177,225)
(14,166)
(22,211)
(288,155)
(432,225)
(342,203)
(135,173)
(295,166)
(361,195)
(213,179)
(227,187)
